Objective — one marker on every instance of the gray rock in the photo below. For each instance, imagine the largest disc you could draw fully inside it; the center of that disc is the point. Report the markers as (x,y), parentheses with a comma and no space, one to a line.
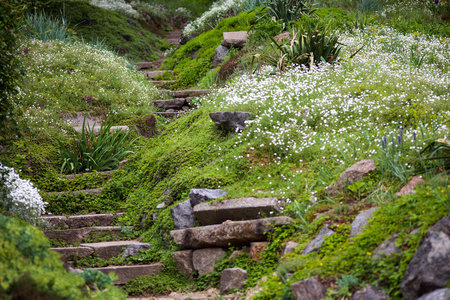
(230,120)
(161,205)
(440,294)
(370,292)
(232,278)
(184,39)
(205,259)
(132,23)
(351,175)
(410,187)
(289,248)
(228,234)
(308,289)
(236,253)
(361,221)
(234,209)
(200,195)
(184,262)
(235,38)
(135,249)
(182,215)
(387,248)
(429,268)
(318,240)
(219,55)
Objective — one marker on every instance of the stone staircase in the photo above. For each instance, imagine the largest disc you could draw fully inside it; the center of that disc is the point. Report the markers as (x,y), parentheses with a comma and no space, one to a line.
(72,230)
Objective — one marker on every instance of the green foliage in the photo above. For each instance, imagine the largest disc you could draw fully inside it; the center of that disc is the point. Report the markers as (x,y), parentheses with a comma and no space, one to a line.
(288,10)
(31,270)
(95,151)
(162,284)
(435,156)
(97,279)
(308,47)
(345,287)
(48,28)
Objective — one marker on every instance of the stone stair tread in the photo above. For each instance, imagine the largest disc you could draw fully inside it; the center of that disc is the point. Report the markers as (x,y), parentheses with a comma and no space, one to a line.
(185,93)
(153,74)
(73,176)
(227,234)
(177,103)
(79,221)
(127,273)
(170,114)
(96,128)
(109,249)
(88,191)
(149,64)
(68,253)
(234,209)
(78,234)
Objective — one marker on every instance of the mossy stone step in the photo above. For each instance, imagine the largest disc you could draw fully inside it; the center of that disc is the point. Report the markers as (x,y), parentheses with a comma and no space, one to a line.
(127,273)
(108,250)
(69,253)
(89,191)
(80,221)
(96,128)
(149,64)
(153,74)
(161,83)
(184,93)
(107,174)
(170,103)
(170,115)
(71,236)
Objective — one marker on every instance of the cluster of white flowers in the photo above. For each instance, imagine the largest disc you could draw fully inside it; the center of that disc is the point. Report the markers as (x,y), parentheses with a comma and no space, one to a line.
(119,6)
(213,16)
(19,197)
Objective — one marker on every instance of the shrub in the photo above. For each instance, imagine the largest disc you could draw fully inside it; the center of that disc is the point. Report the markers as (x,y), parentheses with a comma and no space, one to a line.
(119,6)
(19,197)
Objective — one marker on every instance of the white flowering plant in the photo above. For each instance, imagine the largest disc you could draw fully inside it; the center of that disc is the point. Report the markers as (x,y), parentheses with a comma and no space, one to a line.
(119,6)
(19,197)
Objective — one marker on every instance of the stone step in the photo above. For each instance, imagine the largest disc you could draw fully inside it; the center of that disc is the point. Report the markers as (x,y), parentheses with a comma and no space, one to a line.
(173,41)
(185,93)
(77,235)
(96,128)
(107,174)
(149,64)
(89,191)
(153,74)
(161,83)
(227,234)
(170,103)
(80,221)
(69,253)
(108,250)
(170,115)
(127,273)
(235,209)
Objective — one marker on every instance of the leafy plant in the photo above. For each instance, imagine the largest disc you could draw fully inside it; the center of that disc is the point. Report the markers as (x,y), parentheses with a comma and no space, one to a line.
(366,6)
(46,27)
(345,286)
(436,156)
(95,152)
(288,10)
(415,58)
(307,47)
(97,279)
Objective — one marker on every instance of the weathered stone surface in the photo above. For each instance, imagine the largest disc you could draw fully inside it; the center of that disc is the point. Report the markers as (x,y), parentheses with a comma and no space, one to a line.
(89,191)
(68,253)
(190,93)
(97,128)
(182,215)
(153,74)
(170,103)
(90,220)
(135,248)
(440,294)
(200,195)
(318,241)
(219,55)
(232,278)
(257,249)
(127,273)
(184,262)
(234,209)
(108,250)
(361,221)
(370,292)
(230,120)
(204,259)
(54,221)
(235,38)
(227,234)
(387,248)
(282,36)
(410,187)
(352,174)
(289,248)
(236,253)
(76,235)
(429,268)
(308,289)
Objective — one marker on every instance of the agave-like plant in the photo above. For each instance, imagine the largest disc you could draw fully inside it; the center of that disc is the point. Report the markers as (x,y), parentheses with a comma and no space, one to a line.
(287,10)
(307,47)
(435,157)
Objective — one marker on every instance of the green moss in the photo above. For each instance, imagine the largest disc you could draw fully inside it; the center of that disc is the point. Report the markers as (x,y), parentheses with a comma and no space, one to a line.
(94,23)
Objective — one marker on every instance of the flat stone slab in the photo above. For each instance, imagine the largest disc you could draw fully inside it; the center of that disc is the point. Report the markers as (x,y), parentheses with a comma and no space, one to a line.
(160,83)
(170,104)
(76,235)
(235,38)
(186,93)
(170,115)
(107,174)
(96,128)
(69,253)
(153,74)
(80,220)
(227,234)
(89,191)
(108,250)
(235,209)
(127,273)
(148,64)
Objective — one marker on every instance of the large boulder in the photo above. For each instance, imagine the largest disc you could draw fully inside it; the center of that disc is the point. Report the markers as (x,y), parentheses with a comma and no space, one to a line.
(356,172)
(200,195)
(318,240)
(204,259)
(230,120)
(370,292)
(308,289)
(228,234)
(361,221)
(234,39)
(232,278)
(429,268)
(182,215)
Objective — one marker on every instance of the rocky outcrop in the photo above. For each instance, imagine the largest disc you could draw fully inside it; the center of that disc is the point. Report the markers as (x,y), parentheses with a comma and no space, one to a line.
(227,234)
(318,240)
(429,268)
(361,221)
(351,175)
(308,289)
(233,278)
(230,120)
